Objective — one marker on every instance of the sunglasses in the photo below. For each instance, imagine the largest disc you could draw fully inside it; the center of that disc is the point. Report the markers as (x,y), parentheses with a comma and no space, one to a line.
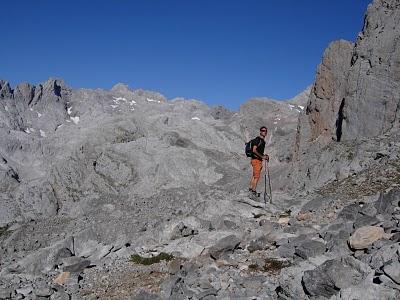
(263,130)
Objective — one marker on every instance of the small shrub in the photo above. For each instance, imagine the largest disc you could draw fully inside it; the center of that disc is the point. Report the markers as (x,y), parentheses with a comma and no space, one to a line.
(274,266)
(3,230)
(137,259)
(253,267)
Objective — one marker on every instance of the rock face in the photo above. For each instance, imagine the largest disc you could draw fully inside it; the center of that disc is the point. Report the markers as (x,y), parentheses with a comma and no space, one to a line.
(372,100)
(355,97)
(327,93)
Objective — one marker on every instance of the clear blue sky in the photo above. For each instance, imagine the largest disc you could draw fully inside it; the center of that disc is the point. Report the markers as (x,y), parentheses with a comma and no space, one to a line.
(217,51)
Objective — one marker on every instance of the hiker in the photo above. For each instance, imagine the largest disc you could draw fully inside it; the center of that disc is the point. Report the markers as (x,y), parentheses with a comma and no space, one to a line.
(257,157)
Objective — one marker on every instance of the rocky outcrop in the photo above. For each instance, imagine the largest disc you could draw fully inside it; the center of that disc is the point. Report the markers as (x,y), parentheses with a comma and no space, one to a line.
(355,97)
(372,96)
(327,93)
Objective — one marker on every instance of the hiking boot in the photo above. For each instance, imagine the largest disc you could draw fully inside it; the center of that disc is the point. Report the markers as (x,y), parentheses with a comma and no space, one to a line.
(253,194)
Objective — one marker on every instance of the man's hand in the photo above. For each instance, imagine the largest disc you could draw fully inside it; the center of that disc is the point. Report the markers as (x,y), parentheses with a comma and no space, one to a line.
(266,157)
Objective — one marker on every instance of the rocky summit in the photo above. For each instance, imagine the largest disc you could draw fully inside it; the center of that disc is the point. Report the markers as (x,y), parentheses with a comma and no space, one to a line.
(124,194)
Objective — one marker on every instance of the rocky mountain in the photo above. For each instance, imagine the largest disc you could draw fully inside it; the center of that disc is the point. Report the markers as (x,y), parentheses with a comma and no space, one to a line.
(124,194)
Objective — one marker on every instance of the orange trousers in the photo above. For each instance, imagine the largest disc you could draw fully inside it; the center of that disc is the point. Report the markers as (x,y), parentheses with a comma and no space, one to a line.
(257,167)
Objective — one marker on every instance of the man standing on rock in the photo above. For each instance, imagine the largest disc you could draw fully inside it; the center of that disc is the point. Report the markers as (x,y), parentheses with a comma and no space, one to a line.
(257,157)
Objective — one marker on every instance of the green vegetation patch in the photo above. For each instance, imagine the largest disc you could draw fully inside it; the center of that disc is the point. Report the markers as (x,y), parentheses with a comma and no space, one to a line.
(3,230)
(137,259)
(273,265)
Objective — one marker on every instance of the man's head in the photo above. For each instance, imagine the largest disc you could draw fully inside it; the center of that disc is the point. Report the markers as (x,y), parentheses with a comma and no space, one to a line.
(263,131)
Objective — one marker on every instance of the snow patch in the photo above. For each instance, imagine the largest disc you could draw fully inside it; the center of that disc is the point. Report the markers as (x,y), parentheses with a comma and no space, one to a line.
(69,121)
(152,100)
(291,106)
(114,106)
(6,108)
(39,114)
(117,99)
(31,109)
(69,111)
(132,102)
(42,133)
(301,107)
(27,130)
(196,118)
(75,119)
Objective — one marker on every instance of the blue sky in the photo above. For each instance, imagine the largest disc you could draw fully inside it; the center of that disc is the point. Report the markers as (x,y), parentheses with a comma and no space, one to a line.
(217,51)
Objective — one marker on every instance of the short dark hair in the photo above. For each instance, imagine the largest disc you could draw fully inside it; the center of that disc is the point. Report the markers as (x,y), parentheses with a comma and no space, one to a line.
(263,127)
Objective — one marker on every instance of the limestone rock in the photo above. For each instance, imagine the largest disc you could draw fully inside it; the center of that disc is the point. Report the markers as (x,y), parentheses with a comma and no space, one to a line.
(310,248)
(226,245)
(365,236)
(75,264)
(392,270)
(372,95)
(333,275)
(62,278)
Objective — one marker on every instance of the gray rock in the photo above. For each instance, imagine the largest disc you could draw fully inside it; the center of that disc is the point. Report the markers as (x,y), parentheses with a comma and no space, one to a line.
(369,209)
(226,245)
(290,281)
(365,221)
(350,212)
(333,275)
(60,296)
(369,291)
(24,290)
(337,242)
(383,255)
(260,243)
(5,293)
(75,264)
(396,237)
(34,297)
(145,296)
(286,251)
(372,57)
(310,248)
(207,293)
(392,270)
(43,292)
(182,230)
(384,204)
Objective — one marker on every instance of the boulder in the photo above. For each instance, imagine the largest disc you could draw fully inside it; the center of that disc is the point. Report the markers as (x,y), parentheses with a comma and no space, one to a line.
(333,275)
(392,270)
(75,264)
(225,245)
(365,236)
(383,255)
(259,243)
(369,291)
(310,248)
(365,220)
(62,278)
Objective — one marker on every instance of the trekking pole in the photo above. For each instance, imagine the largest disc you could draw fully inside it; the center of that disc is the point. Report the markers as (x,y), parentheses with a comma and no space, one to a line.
(269,182)
(265,184)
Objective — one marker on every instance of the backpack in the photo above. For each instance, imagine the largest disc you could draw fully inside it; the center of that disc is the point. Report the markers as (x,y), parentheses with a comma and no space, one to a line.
(248,148)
